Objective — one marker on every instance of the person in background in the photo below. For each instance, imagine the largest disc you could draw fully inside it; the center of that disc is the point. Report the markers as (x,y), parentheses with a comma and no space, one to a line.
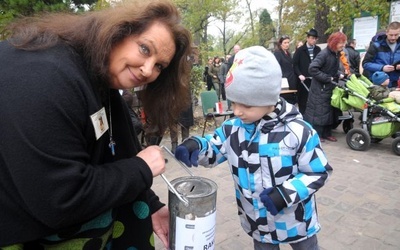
(206,76)
(301,61)
(213,72)
(275,157)
(383,54)
(83,181)
(363,71)
(129,99)
(344,65)
(236,49)
(284,58)
(186,120)
(353,57)
(324,70)
(222,75)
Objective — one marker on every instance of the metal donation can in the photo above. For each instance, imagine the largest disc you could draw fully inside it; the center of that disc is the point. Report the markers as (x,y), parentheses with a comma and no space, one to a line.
(192,211)
(192,225)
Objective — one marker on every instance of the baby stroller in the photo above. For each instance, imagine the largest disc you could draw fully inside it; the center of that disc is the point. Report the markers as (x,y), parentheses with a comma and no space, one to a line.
(379,119)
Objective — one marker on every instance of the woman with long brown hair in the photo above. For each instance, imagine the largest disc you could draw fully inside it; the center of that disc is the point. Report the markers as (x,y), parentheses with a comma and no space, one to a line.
(72,172)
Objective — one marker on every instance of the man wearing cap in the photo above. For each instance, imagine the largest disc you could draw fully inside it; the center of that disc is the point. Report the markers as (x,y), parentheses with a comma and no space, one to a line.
(301,61)
(384,54)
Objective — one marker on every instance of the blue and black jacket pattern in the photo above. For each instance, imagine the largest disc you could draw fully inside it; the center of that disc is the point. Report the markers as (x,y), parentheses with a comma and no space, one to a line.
(280,151)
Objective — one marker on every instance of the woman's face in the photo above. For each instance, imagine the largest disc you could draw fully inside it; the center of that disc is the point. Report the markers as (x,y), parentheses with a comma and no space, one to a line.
(139,59)
(340,46)
(285,44)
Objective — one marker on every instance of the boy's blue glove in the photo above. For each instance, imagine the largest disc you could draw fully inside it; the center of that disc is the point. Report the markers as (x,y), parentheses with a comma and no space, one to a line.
(188,152)
(272,200)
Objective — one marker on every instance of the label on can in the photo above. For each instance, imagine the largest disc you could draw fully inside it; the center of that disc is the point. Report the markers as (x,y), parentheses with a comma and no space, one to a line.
(198,234)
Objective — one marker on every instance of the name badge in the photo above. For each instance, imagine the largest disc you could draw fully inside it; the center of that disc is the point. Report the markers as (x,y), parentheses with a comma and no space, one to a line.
(99,121)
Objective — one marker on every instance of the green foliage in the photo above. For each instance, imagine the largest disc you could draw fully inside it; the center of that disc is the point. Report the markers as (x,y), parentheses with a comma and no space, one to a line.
(300,16)
(266,30)
(10,9)
(343,12)
(200,15)
(100,4)
(196,80)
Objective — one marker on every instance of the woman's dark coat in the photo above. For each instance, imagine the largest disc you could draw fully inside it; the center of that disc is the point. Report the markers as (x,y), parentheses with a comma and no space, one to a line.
(319,110)
(285,61)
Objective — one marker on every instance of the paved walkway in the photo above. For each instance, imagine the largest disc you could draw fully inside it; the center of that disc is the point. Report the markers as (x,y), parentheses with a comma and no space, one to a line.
(359,207)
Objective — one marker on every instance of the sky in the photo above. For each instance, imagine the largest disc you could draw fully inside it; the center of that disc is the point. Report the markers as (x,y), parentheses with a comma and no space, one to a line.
(264,4)
(270,5)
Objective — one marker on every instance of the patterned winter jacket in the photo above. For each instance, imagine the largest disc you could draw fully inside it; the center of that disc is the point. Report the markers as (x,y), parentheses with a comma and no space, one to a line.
(280,151)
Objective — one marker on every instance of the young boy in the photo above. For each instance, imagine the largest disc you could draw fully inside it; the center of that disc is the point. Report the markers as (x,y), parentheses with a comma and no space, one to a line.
(274,156)
(380,89)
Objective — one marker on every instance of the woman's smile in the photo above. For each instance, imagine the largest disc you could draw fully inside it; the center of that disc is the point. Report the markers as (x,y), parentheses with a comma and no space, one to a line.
(139,59)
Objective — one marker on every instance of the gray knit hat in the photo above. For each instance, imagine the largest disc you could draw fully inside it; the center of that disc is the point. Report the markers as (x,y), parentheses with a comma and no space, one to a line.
(255,78)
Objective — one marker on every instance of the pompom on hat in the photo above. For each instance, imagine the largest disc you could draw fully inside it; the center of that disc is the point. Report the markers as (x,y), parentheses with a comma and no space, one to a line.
(379,77)
(255,78)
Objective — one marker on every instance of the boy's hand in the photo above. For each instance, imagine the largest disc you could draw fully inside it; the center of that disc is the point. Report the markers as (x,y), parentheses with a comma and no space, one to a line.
(273,200)
(188,152)
(268,203)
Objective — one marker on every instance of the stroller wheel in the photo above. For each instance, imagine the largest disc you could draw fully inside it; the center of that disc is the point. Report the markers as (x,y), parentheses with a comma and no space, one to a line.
(347,125)
(396,145)
(358,139)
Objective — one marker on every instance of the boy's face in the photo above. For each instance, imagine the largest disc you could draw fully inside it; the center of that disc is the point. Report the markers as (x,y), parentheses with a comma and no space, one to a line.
(385,83)
(250,114)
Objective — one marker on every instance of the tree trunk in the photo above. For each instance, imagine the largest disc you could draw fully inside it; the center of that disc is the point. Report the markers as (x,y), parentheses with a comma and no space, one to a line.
(321,20)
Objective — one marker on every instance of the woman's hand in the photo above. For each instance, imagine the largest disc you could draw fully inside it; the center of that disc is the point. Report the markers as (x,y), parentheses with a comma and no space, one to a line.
(153,156)
(161,225)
